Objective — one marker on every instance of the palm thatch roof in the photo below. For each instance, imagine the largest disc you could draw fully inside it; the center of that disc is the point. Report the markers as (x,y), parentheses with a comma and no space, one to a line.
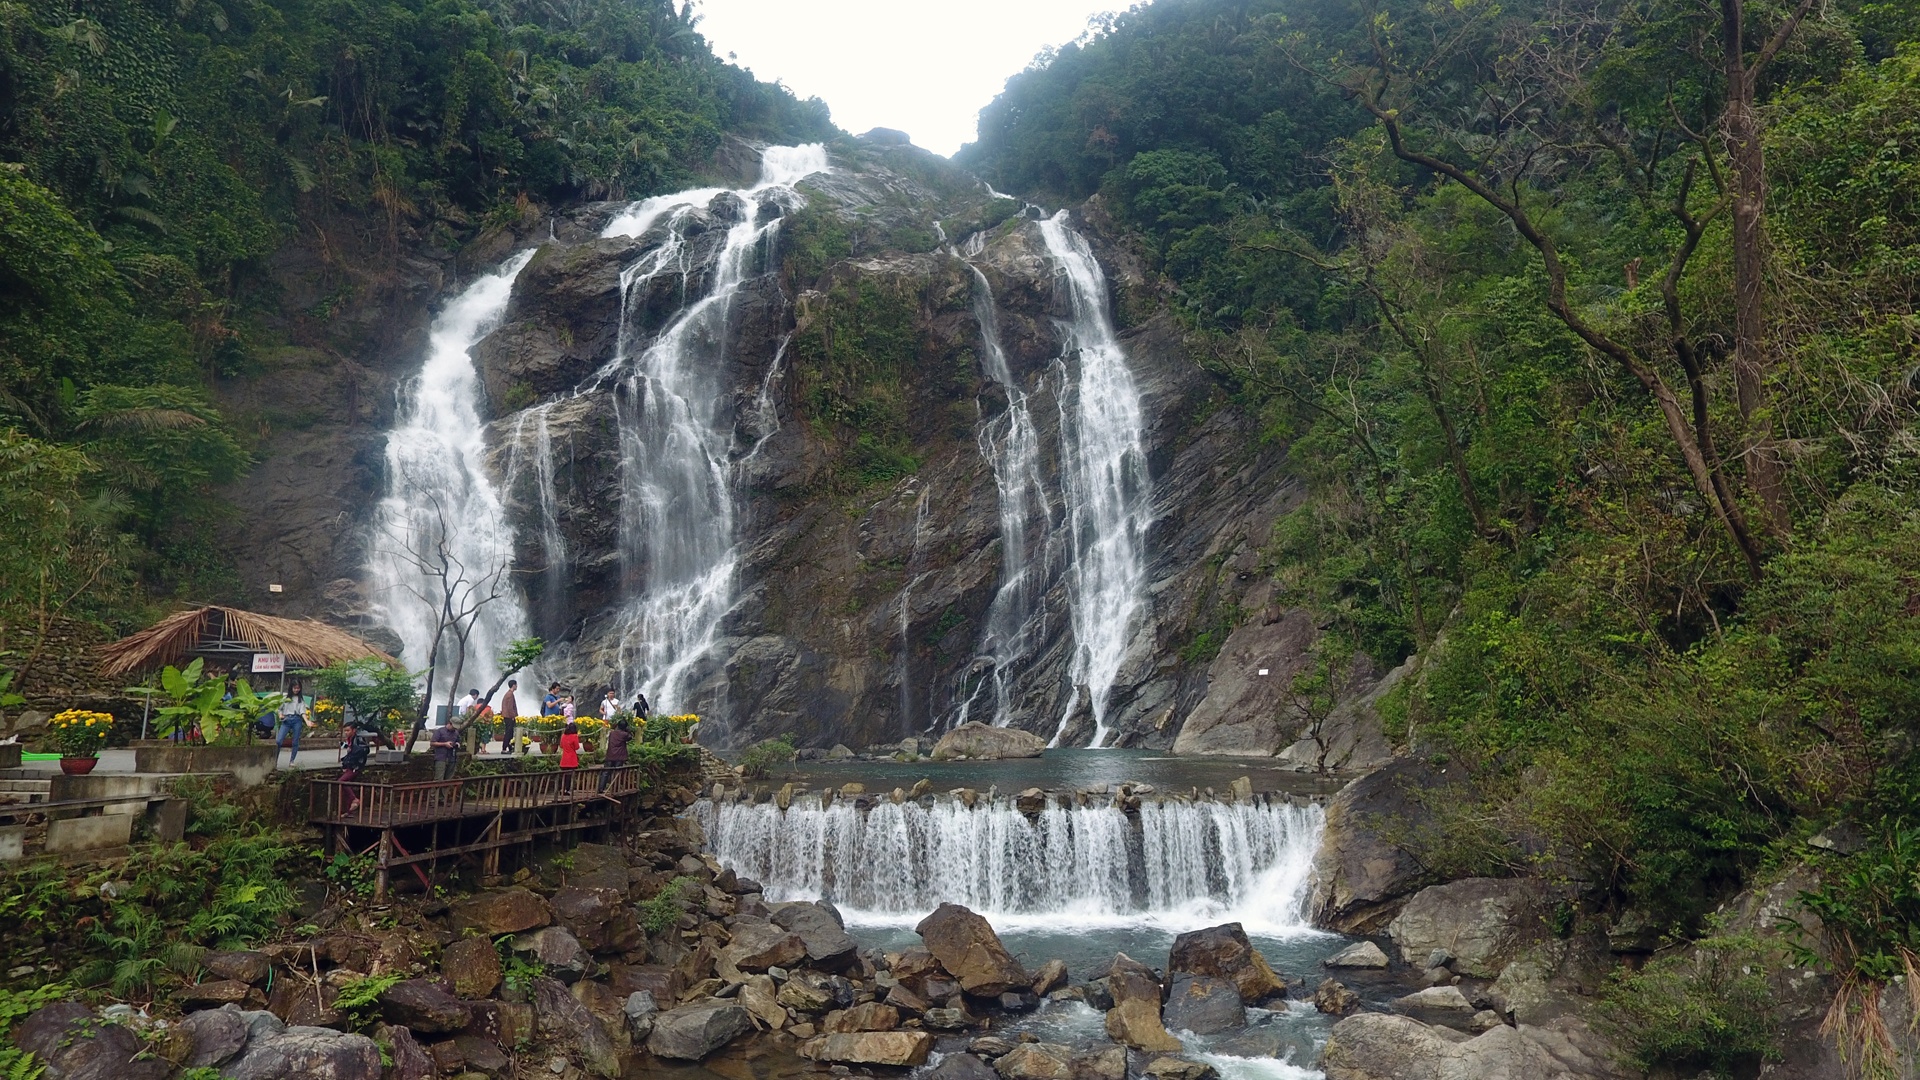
(214,630)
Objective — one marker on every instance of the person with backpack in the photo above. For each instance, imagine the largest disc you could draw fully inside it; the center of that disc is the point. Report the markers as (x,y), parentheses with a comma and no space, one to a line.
(359,746)
(550,705)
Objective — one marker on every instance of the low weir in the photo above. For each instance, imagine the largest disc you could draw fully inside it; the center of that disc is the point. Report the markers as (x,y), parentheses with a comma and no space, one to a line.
(1055,860)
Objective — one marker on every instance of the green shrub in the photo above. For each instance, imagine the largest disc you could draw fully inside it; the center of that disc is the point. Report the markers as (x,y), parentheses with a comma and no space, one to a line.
(760,758)
(1706,1010)
(665,908)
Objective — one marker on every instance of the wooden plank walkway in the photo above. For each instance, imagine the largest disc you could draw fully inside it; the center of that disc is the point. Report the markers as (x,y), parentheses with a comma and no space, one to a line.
(468,818)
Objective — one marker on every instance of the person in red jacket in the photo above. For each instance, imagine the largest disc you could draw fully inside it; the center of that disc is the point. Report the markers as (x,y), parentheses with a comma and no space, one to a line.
(569,755)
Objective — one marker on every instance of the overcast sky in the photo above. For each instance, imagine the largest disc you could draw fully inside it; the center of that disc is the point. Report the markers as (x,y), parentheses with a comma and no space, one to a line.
(920,66)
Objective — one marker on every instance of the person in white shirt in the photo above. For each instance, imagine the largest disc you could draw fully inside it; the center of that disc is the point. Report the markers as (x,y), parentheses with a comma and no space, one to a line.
(469,703)
(609,707)
(293,719)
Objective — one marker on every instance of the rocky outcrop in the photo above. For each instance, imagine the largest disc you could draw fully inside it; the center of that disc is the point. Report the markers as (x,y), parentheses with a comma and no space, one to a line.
(900,1049)
(1364,871)
(1203,1004)
(1135,1018)
(1361,954)
(982,742)
(501,911)
(73,1045)
(1479,923)
(692,1032)
(1378,1046)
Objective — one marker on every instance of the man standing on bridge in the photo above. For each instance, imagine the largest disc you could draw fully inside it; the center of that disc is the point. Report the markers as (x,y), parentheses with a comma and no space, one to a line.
(509,713)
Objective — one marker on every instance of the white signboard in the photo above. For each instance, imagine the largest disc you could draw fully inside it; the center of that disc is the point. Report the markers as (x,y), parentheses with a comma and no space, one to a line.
(269,662)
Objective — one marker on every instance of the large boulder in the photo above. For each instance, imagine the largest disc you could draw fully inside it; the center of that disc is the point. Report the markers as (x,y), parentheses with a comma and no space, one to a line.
(962,1067)
(901,1049)
(244,965)
(600,919)
(1225,953)
(1204,1005)
(410,1060)
(975,741)
(1361,954)
(1480,922)
(310,1053)
(691,1032)
(867,1016)
(1362,873)
(820,927)
(564,1021)
(556,950)
(971,952)
(758,945)
(472,965)
(1381,1046)
(1134,1019)
(213,1036)
(501,911)
(599,866)
(67,1039)
(425,1007)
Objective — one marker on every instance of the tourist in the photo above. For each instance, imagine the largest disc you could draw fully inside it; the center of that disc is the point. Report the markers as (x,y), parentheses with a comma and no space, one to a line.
(617,740)
(469,703)
(566,707)
(609,706)
(445,745)
(569,755)
(359,746)
(509,713)
(640,706)
(293,719)
(550,705)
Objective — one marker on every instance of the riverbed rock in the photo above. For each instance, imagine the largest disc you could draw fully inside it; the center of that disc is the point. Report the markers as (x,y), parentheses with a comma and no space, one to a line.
(869,1016)
(600,919)
(1479,922)
(410,1060)
(215,1037)
(1134,1019)
(565,1021)
(1051,976)
(758,945)
(425,1007)
(244,965)
(1381,1046)
(820,927)
(1361,954)
(1036,1061)
(472,964)
(1334,999)
(1225,953)
(970,951)
(760,997)
(640,1009)
(901,1049)
(213,994)
(310,1053)
(1179,1068)
(975,741)
(962,1067)
(1204,1005)
(692,1032)
(73,1045)
(1362,875)
(1447,998)
(501,911)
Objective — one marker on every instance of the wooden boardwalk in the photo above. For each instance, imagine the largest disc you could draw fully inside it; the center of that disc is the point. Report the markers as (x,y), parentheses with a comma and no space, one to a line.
(470,819)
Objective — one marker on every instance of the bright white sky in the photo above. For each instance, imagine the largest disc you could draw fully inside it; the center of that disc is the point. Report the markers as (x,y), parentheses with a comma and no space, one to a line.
(923,67)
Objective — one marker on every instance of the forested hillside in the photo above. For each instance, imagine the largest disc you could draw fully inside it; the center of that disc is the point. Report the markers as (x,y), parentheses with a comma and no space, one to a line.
(1591,326)
(155,155)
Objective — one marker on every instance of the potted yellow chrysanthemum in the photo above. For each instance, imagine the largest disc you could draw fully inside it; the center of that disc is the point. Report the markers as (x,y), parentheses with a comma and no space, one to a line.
(79,734)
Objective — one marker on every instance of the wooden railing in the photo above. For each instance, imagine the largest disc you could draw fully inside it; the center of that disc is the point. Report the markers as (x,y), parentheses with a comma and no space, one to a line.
(361,802)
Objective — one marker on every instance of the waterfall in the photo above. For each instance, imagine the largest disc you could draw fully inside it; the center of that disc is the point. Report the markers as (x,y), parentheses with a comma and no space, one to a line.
(1104,467)
(531,449)
(442,511)
(1178,863)
(1011,445)
(676,430)
(904,668)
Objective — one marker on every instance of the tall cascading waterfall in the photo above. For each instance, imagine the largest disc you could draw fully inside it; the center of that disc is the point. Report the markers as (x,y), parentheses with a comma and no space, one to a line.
(1011,444)
(1107,486)
(441,528)
(530,450)
(676,430)
(1177,862)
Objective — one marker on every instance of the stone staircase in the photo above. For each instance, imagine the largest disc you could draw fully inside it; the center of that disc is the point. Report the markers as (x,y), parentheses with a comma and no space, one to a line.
(19,790)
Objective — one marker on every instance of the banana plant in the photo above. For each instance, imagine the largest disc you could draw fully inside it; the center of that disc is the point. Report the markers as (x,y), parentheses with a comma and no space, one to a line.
(198,701)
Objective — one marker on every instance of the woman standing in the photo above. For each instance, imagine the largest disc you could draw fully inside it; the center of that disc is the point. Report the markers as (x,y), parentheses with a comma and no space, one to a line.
(293,720)
(617,740)
(569,755)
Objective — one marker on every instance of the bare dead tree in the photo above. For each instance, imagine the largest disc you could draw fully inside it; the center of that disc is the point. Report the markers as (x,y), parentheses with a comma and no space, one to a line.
(454,592)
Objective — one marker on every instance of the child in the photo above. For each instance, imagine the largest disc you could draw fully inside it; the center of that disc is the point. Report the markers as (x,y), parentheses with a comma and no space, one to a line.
(359,745)
(566,708)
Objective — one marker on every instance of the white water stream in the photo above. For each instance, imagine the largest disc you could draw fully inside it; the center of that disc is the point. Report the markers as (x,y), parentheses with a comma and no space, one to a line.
(677,541)
(1108,489)
(442,513)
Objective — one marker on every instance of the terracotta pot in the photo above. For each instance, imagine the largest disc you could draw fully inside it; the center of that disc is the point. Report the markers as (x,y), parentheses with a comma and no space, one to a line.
(78,766)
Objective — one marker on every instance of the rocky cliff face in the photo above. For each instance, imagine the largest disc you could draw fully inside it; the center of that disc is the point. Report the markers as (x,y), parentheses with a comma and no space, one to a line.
(865,501)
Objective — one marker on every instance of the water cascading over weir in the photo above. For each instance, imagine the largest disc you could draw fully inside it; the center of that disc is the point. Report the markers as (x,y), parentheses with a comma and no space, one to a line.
(1063,859)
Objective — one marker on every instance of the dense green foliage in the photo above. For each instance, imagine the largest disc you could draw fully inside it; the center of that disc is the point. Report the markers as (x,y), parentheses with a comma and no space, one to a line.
(156,155)
(1453,255)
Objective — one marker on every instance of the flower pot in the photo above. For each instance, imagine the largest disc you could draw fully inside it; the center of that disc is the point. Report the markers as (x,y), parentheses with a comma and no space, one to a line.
(78,766)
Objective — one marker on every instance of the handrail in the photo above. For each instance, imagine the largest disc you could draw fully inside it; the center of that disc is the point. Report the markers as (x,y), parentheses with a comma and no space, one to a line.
(366,802)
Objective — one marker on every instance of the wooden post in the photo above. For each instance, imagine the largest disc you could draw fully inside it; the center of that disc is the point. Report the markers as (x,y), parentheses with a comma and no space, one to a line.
(386,853)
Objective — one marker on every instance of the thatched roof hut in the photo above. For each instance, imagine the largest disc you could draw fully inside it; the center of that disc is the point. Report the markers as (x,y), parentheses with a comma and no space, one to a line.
(229,632)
